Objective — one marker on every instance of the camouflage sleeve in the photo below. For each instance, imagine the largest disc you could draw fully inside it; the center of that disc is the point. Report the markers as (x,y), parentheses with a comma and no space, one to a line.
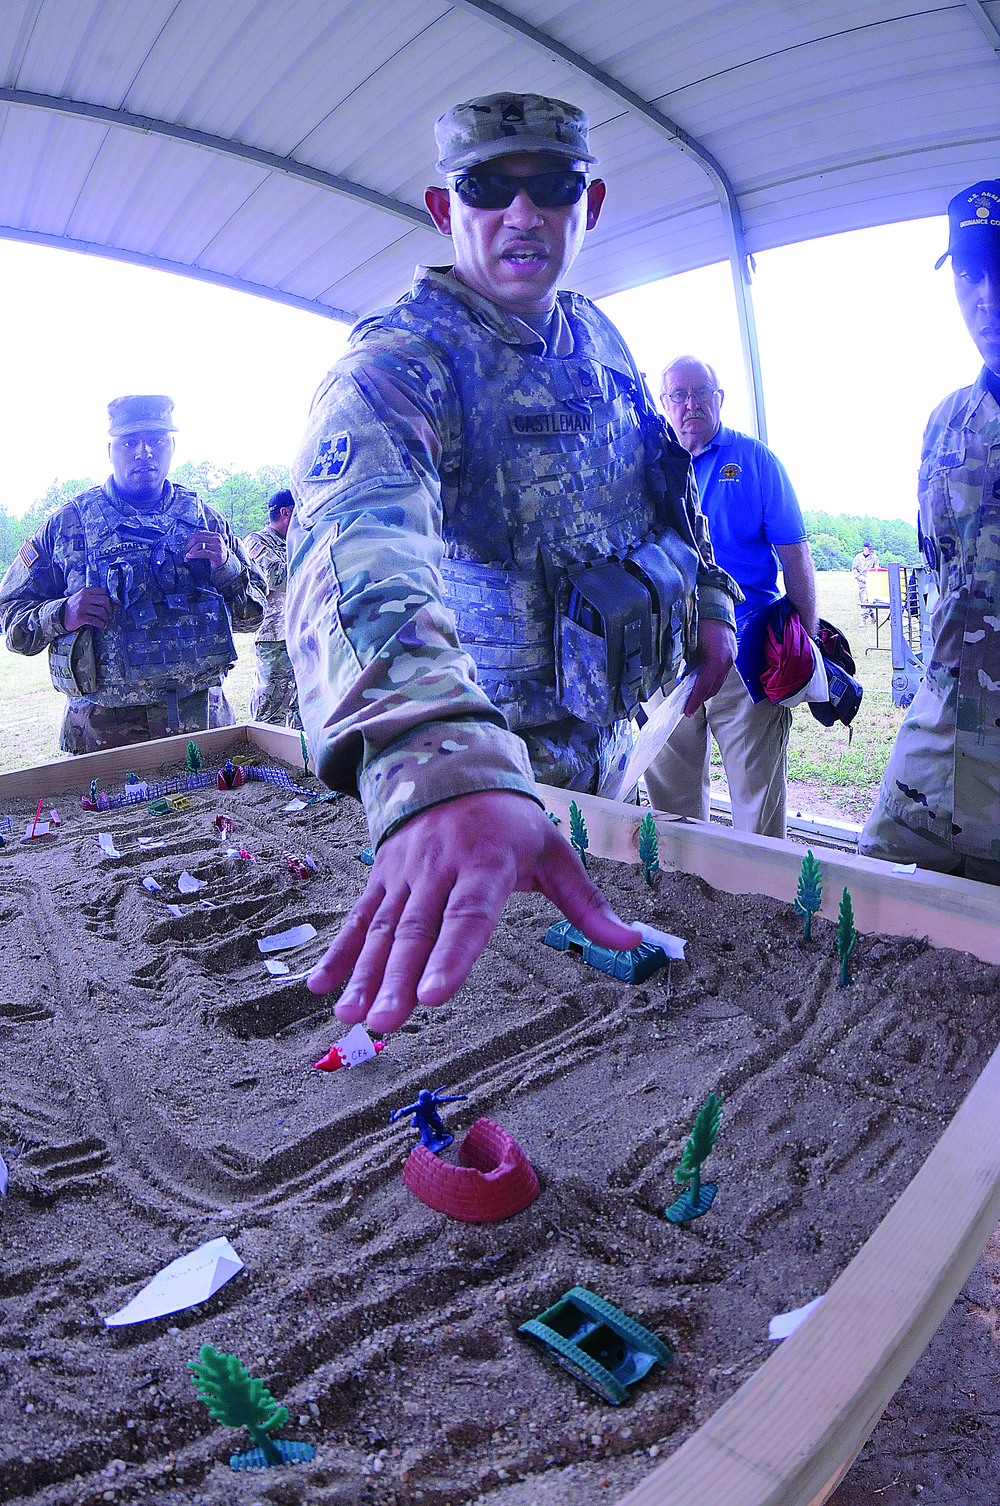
(387,694)
(240,580)
(34,589)
(718,593)
(669,466)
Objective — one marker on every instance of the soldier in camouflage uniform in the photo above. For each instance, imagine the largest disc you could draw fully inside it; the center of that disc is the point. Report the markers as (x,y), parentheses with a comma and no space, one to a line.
(939,804)
(274,697)
(134,588)
(496,552)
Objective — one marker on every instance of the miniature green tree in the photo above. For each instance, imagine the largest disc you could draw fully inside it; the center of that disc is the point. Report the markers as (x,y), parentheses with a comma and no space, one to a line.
(305,753)
(846,937)
(193,757)
(697,1148)
(237,1400)
(810,892)
(578,831)
(649,848)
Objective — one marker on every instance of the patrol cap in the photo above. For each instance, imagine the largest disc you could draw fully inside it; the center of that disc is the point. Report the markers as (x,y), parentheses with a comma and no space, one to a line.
(276,501)
(494,125)
(147,411)
(974,222)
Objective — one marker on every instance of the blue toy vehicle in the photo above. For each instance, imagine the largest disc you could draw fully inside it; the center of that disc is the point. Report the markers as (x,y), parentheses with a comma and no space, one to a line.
(597,1343)
(630,967)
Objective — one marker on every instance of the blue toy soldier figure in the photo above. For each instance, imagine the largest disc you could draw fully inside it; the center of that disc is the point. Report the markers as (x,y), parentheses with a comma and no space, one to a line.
(427,1120)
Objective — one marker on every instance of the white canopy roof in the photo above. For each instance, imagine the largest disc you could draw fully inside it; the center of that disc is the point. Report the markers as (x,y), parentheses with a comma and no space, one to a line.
(282,146)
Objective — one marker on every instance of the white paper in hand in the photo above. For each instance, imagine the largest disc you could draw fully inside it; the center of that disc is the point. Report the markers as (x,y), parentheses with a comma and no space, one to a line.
(185,1281)
(783,1325)
(619,783)
(188,884)
(106,843)
(283,940)
(672,945)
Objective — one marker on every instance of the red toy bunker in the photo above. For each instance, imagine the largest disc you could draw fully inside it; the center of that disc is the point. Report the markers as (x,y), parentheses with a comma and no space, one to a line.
(494,1179)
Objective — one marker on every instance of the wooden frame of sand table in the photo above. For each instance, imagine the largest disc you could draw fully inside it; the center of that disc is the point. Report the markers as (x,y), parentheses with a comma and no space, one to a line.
(792,1431)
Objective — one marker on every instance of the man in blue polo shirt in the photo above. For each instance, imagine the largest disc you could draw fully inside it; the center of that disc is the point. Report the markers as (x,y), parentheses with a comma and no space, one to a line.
(755,523)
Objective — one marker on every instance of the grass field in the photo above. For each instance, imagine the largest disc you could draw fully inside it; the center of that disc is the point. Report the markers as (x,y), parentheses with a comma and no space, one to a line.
(820,759)
(847,770)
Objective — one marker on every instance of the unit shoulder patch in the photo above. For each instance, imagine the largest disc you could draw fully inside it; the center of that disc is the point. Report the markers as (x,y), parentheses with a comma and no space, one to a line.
(331,459)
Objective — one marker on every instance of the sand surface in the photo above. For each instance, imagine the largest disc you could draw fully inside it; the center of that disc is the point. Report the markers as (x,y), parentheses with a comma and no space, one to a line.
(157,1090)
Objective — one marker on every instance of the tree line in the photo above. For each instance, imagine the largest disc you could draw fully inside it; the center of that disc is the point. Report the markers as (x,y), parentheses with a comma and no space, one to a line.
(836,540)
(241,498)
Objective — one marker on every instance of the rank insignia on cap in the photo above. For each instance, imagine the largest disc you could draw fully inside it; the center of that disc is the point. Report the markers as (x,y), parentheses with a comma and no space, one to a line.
(730,472)
(27,554)
(332,456)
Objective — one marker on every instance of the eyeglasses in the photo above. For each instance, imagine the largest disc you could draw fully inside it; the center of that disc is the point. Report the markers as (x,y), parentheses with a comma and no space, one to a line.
(556,190)
(679,395)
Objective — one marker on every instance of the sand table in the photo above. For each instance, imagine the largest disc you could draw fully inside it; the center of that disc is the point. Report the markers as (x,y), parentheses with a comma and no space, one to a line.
(157,1091)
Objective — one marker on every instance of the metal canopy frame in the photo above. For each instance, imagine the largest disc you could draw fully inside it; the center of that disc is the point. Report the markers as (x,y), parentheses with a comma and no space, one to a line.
(729,203)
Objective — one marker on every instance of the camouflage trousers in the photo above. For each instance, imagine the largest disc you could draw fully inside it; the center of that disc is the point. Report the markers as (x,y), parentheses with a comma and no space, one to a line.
(88,727)
(275,697)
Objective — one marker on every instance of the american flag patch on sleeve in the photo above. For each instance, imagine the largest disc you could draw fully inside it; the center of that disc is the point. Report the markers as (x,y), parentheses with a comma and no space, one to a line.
(255,548)
(27,553)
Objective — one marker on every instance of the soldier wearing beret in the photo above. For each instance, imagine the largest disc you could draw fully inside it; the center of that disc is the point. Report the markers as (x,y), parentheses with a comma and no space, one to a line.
(134,587)
(496,553)
(274,697)
(939,803)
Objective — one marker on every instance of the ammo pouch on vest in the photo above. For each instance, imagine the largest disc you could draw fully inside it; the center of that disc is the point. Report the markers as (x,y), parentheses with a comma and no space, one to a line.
(73,664)
(622,627)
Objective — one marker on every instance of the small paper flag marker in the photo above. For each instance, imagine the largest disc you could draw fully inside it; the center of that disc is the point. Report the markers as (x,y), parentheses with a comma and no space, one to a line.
(698,1198)
(236,1399)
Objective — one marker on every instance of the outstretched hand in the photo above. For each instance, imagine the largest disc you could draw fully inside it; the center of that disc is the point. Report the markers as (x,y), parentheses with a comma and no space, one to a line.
(434,896)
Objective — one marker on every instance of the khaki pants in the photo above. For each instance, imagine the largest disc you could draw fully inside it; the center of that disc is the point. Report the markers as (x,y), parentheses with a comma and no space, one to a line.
(753,742)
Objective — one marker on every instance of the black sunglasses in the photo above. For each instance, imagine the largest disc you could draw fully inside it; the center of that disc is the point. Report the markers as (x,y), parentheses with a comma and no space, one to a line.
(484,190)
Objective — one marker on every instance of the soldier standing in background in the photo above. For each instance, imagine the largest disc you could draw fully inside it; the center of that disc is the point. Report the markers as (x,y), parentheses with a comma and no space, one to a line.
(939,802)
(134,587)
(860,566)
(274,697)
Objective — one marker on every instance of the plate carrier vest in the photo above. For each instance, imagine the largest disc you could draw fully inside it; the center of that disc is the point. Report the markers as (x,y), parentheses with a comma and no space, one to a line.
(571,583)
(171,630)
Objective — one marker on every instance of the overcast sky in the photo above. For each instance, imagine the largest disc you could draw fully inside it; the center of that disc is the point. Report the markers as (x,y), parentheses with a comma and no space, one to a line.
(859,337)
